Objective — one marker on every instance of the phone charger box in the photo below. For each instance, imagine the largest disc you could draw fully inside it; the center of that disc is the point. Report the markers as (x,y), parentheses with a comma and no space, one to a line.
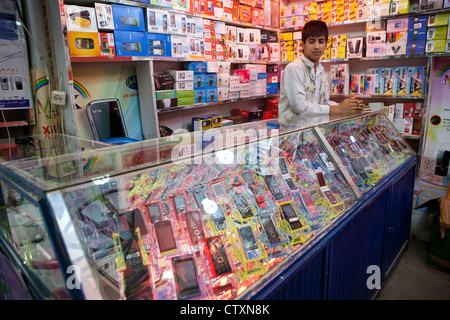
(182,75)
(211,94)
(438,19)
(417,34)
(79,18)
(105,19)
(158,45)
(418,22)
(106,42)
(437,33)
(129,43)
(200,95)
(357,83)
(128,18)
(435,46)
(83,44)
(397,25)
(415,47)
(371,84)
(355,47)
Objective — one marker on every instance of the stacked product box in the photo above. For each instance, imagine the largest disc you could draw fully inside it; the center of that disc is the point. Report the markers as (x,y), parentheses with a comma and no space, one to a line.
(129,30)
(340,79)
(271,107)
(258,79)
(397,36)
(417,34)
(338,47)
(223,80)
(204,75)
(240,81)
(105,26)
(408,117)
(273,79)
(287,46)
(437,33)
(166,96)
(82,31)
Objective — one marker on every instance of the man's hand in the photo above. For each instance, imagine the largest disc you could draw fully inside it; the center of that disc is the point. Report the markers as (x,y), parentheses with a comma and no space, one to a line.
(349,105)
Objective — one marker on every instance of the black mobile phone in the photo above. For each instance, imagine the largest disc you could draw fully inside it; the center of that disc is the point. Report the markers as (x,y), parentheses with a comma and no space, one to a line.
(290,183)
(154,212)
(283,166)
(136,275)
(186,281)
(291,216)
(248,242)
(195,226)
(243,206)
(164,237)
(219,219)
(248,177)
(217,256)
(199,197)
(106,119)
(180,205)
(273,186)
(269,228)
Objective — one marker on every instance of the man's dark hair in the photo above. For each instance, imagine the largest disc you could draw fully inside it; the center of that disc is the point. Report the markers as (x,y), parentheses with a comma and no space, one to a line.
(314,28)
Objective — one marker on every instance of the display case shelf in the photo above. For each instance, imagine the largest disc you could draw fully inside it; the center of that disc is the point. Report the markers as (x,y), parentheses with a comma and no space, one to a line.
(210,104)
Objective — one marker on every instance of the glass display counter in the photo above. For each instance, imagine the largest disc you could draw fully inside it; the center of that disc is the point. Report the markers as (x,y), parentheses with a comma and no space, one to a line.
(203,215)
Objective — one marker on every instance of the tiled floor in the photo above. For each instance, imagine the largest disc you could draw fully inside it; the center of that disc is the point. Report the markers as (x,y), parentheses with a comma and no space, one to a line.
(412,279)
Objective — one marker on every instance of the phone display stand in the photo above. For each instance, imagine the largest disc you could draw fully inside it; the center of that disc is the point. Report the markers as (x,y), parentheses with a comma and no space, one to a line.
(278,249)
(247,268)
(296,236)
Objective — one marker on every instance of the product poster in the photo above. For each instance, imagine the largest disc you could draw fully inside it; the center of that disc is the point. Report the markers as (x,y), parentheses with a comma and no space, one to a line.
(434,167)
(91,84)
(15,91)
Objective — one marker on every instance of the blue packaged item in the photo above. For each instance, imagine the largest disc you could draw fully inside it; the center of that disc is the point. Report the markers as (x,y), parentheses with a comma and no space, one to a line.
(200,95)
(128,18)
(158,44)
(199,80)
(197,67)
(129,43)
(211,94)
(211,80)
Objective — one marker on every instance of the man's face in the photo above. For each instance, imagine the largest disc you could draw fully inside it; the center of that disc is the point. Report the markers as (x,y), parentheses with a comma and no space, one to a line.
(314,47)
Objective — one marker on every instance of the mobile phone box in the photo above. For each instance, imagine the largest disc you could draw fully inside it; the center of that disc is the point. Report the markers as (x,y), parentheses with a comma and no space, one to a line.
(79,18)
(199,80)
(376,50)
(106,42)
(157,20)
(400,7)
(244,75)
(200,95)
(211,80)
(438,19)
(182,75)
(83,44)
(128,18)
(105,19)
(176,23)
(417,22)
(417,34)
(396,25)
(129,43)
(430,4)
(437,33)
(371,84)
(395,48)
(416,47)
(197,67)
(158,44)
(435,46)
